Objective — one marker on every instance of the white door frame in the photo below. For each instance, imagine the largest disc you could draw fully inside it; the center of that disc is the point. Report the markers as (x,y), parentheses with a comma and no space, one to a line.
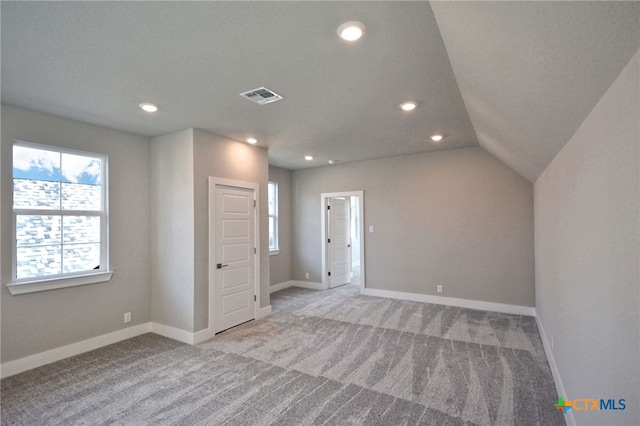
(323,230)
(213,182)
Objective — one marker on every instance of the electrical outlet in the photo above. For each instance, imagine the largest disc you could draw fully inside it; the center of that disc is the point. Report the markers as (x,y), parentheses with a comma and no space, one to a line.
(439,289)
(306,275)
(127,317)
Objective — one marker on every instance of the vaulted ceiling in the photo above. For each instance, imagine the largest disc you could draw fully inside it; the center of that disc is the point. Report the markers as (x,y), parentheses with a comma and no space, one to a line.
(517,78)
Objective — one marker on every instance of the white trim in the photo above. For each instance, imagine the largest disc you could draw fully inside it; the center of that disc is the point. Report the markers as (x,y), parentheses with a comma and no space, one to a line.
(280,286)
(308,284)
(55,283)
(323,235)
(64,279)
(173,333)
(274,252)
(213,182)
(263,312)
(568,417)
(30,362)
(203,336)
(453,301)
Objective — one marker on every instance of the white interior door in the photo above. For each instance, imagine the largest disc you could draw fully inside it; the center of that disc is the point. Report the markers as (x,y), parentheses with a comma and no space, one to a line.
(234,256)
(339,241)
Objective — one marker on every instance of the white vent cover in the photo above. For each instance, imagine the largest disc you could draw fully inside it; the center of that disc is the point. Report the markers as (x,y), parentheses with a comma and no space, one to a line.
(261,96)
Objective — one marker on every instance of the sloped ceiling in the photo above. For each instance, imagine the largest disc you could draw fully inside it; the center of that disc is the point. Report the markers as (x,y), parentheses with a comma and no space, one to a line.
(530,72)
(518,78)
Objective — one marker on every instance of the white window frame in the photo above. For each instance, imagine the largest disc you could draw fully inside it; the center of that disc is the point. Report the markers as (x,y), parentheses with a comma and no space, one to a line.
(276,250)
(51,282)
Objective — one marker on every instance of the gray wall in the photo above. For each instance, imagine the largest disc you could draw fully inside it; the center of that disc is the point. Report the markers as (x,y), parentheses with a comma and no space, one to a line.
(36,322)
(281,262)
(587,252)
(172,225)
(224,158)
(459,218)
(182,163)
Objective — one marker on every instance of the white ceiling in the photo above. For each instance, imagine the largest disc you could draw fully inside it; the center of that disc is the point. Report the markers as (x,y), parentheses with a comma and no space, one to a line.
(522,76)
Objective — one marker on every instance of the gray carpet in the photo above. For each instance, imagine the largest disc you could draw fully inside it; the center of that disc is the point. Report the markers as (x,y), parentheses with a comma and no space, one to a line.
(332,357)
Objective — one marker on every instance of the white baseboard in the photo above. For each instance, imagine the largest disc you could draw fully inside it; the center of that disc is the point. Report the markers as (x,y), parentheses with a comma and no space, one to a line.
(208,333)
(263,312)
(295,283)
(47,357)
(571,421)
(308,284)
(203,336)
(37,360)
(174,333)
(452,301)
(33,361)
(280,286)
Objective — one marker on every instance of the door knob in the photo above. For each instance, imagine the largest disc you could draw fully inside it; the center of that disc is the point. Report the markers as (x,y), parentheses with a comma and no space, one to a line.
(220,265)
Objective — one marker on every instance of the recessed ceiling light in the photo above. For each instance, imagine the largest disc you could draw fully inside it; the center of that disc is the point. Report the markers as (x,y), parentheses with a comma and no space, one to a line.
(436,138)
(333,161)
(148,107)
(351,31)
(252,141)
(308,157)
(408,106)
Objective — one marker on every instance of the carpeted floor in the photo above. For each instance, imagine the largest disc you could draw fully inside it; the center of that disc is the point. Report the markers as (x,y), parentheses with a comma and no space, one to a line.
(332,357)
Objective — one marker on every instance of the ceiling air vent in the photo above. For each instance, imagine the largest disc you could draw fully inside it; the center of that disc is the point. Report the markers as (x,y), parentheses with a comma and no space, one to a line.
(261,96)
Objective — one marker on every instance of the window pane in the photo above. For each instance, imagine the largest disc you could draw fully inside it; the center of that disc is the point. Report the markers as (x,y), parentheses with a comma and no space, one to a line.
(81,257)
(272,202)
(37,230)
(37,194)
(38,261)
(81,169)
(76,196)
(272,234)
(81,229)
(271,198)
(36,164)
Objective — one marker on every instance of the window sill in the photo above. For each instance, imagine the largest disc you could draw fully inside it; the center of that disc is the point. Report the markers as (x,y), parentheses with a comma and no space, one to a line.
(55,283)
(273,252)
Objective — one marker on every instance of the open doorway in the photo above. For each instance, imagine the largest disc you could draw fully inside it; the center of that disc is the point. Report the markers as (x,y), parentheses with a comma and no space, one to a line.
(342,239)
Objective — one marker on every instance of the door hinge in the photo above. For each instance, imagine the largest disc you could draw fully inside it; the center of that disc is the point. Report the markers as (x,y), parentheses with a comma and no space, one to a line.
(329,273)
(254,203)
(328,207)
(329,240)
(255,298)
(254,250)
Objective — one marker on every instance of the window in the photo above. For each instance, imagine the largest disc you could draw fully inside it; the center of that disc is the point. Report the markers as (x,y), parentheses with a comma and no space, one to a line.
(273,217)
(59,218)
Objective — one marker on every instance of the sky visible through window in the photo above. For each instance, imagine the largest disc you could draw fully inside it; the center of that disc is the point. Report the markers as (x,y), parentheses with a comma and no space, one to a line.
(39,164)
